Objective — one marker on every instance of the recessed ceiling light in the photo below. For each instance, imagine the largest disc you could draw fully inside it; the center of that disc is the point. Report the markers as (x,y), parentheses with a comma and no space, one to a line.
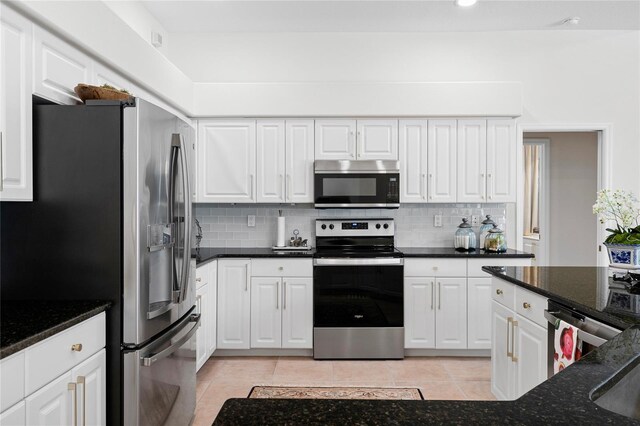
(571,21)
(465,3)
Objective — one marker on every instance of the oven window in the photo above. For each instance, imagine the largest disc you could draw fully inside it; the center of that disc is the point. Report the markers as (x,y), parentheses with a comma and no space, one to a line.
(362,296)
(361,187)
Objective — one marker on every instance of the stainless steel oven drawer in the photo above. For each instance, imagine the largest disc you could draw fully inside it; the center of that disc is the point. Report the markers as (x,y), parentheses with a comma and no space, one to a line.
(358,343)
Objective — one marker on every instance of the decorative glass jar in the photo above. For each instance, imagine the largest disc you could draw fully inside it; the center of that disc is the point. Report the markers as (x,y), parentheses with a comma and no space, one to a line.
(465,238)
(495,240)
(487,224)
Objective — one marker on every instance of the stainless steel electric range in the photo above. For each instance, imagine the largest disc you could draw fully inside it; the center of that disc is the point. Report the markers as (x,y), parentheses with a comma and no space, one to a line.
(358,301)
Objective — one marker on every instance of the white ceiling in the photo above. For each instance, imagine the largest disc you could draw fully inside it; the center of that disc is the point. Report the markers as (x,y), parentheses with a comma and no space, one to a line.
(390,15)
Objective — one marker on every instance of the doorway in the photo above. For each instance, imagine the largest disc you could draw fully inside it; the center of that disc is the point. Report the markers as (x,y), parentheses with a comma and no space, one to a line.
(561,178)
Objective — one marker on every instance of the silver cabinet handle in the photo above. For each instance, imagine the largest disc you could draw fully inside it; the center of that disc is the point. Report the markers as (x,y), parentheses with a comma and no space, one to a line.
(246,281)
(284,196)
(277,293)
(489,189)
(352,144)
(430,186)
(514,325)
(72,388)
(251,186)
(82,381)
(484,185)
(433,294)
(289,189)
(439,294)
(509,353)
(284,295)
(423,184)
(360,145)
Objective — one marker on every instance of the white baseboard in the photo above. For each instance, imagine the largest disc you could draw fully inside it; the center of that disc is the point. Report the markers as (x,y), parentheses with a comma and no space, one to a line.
(309,352)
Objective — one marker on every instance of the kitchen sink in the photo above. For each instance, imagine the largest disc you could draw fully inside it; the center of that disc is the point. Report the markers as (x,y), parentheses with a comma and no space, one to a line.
(621,393)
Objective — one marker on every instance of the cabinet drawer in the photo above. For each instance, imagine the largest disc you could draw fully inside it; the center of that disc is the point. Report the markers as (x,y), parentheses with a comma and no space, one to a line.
(50,358)
(435,267)
(12,383)
(474,266)
(503,292)
(531,305)
(281,267)
(203,274)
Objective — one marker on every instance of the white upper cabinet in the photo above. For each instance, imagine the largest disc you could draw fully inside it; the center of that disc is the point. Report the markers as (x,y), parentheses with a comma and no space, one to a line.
(271,161)
(501,161)
(377,140)
(226,152)
(441,157)
(58,68)
(299,161)
(335,140)
(341,139)
(16,152)
(472,161)
(413,161)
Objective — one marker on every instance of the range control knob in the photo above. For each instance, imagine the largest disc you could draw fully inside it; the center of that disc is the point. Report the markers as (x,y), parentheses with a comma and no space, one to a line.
(323,226)
(386,226)
(377,226)
(331,226)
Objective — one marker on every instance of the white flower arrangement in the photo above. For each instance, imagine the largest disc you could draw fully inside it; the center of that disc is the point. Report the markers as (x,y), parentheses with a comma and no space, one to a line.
(622,207)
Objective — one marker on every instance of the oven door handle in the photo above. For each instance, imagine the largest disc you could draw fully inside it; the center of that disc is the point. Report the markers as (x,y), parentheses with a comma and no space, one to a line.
(376,261)
(554,319)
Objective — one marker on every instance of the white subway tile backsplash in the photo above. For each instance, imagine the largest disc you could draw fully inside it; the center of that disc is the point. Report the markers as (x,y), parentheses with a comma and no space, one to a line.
(225,225)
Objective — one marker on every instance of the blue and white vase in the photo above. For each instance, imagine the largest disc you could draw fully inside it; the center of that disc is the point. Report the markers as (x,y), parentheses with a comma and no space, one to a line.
(624,256)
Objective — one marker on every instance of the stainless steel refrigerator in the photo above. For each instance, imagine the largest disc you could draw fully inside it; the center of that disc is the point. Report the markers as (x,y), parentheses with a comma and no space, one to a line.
(111,219)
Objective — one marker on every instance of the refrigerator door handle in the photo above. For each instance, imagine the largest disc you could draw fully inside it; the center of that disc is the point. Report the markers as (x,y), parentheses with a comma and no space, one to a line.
(175,147)
(148,361)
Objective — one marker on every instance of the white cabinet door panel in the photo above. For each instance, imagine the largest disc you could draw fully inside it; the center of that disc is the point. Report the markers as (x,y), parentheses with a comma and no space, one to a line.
(479,319)
(54,404)
(16,152)
(202,334)
(234,304)
(502,367)
(299,161)
(335,139)
(451,313)
(530,354)
(441,159)
(213,306)
(413,161)
(501,161)
(419,312)
(270,157)
(14,416)
(226,153)
(297,313)
(472,161)
(90,378)
(377,140)
(266,312)
(58,68)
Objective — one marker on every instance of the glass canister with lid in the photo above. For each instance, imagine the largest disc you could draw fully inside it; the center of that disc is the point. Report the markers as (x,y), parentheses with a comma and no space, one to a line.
(487,224)
(465,237)
(495,240)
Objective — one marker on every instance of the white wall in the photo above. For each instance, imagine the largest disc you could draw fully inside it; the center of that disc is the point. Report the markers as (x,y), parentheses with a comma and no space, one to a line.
(567,76)
(573,182)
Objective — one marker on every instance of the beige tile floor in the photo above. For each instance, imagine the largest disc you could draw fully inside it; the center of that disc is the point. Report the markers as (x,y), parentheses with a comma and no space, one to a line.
(438,378)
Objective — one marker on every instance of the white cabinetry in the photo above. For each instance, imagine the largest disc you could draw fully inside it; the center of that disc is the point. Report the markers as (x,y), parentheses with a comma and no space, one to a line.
(226,156)
(299,157)
(206,303)
(282,305)
(479,313)
(441,159)
(486,161)
(16,152)
(202,335)
(234,303)
(519,347)
(58,68)
(341,139)
(55,384)
(413,161)
(436,305)
(271,161)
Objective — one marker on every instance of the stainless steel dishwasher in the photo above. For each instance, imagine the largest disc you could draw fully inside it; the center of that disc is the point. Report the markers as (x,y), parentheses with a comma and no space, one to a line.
(592,333)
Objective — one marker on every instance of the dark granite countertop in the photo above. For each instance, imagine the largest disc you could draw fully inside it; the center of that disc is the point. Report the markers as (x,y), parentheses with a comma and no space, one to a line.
(453,253)
(206,254)
(589,290)
(26,322)
(564,398)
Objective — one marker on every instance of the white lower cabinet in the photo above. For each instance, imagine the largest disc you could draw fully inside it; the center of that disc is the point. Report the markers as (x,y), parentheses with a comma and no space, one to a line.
(281,312)
(234,305)
(419,313)
(479,313)
(206,304)
(76,396)
(519,347)
(451,313)
(202,334)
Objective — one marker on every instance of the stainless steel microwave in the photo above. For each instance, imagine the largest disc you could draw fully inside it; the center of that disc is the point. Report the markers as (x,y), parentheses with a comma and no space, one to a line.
(357,184)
